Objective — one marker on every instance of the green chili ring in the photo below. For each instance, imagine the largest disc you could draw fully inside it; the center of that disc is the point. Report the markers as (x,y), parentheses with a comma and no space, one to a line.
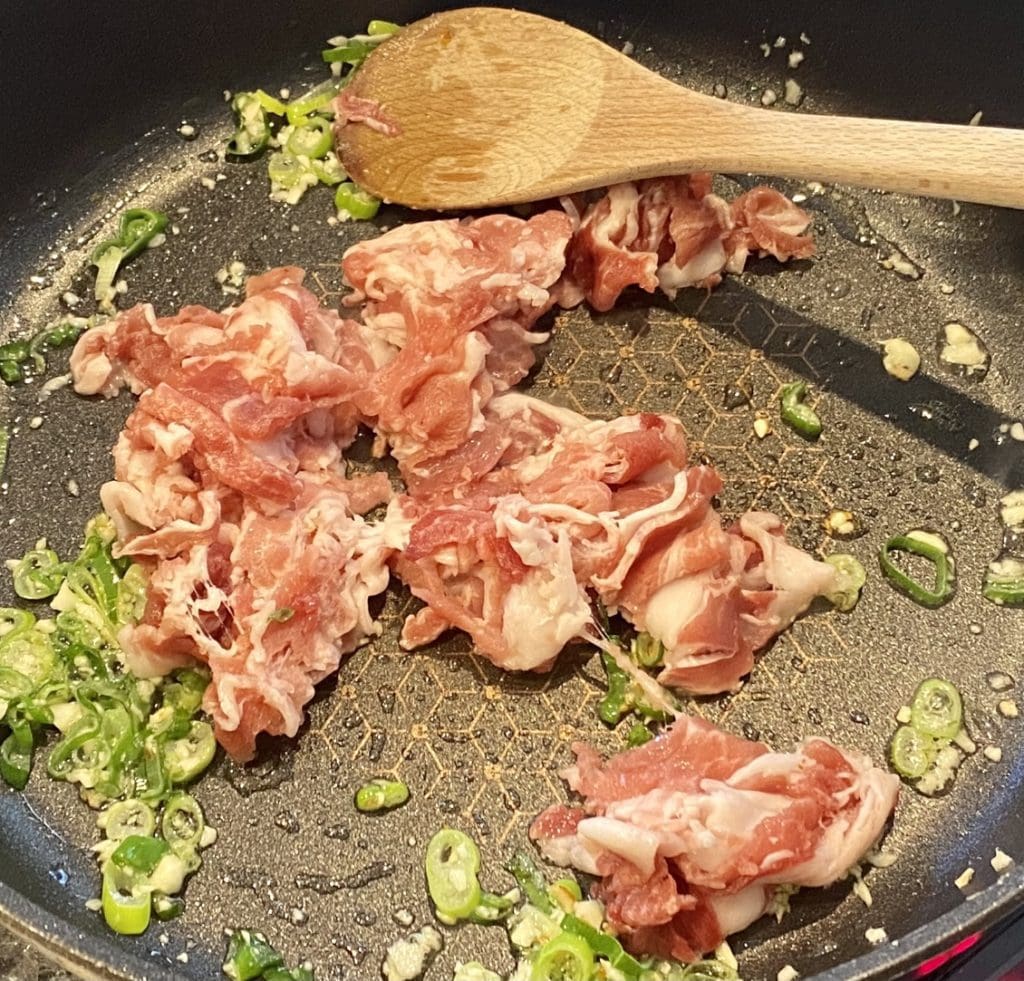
(937,709)
(911,752)
(128,817)
(452,864)
(945,578)
(352,201)
(801,418)
(310,138)
(189,756)
(566,957)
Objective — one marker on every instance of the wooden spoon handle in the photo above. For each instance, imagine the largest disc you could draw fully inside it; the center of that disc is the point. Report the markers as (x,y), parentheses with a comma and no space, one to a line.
(966,163)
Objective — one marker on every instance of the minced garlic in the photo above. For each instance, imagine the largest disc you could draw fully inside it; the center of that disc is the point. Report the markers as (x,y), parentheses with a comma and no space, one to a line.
(900,358)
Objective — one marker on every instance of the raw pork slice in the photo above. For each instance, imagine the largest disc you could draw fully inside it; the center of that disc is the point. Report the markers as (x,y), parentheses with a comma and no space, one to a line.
(231,491)
(672,232)
(503,575)
(637,528)
(692,833)
(712,596)
(457,299)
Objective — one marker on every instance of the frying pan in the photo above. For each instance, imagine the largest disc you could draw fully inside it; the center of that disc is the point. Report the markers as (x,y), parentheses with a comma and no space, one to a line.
(94,95)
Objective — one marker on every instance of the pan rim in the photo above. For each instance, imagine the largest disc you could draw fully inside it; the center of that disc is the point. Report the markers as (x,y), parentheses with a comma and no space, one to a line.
(90,957)
(96,958)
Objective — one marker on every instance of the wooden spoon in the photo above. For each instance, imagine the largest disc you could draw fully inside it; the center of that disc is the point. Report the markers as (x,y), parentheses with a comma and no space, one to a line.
(497,107)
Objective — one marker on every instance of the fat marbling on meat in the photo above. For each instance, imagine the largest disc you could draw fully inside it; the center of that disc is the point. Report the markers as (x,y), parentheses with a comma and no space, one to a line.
(231,491)
(693,833)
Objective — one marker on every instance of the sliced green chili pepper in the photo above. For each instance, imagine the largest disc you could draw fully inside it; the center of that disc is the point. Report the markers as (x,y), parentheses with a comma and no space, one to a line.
(566,957)
(638,735)
(250,956)
(351,201)
(850,579)
(17,351)
(618,701)
(14,684)
(310,138)
(282,614)
(126,818)
(381,795)
(125,914)
(603,945)
(182,823)
(139,226)
(530,881)
(185,693)
(167,907)
(315,100)
(14,622)
(928,547)
(138,855)
(801,418)
(11,372)
(61,335)
(452,864)
(16,754)
(151,780)
(565,893)
(492,909)
(911,752)
(38,574)
(646,650)
(26,661)
(937,709)
(1003,583)
(253,133)
(13,356)
(329,171)
(189,756)
(352,52)
(271,103)
(288,172)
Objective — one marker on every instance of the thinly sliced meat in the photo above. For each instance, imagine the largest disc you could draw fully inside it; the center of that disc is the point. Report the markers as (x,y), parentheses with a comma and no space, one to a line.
(501,575)
(516,513)
(712,596)
(231,491)
(219,449)
(692,832)
(672,232)
(350,108)
(457,299)
(768,223)
(601,256)
(641,529)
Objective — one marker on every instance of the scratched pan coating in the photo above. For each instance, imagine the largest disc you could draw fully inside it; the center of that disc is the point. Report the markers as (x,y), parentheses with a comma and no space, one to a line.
(478,748)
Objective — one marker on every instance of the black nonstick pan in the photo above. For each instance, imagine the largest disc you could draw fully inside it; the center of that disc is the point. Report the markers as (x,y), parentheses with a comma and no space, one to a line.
(94,96)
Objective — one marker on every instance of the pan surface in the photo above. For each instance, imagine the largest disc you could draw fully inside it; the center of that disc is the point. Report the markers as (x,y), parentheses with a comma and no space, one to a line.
(481,749)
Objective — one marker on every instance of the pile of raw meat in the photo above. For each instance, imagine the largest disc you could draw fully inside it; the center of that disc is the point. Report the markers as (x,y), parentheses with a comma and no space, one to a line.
(232,491)
(694,834)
